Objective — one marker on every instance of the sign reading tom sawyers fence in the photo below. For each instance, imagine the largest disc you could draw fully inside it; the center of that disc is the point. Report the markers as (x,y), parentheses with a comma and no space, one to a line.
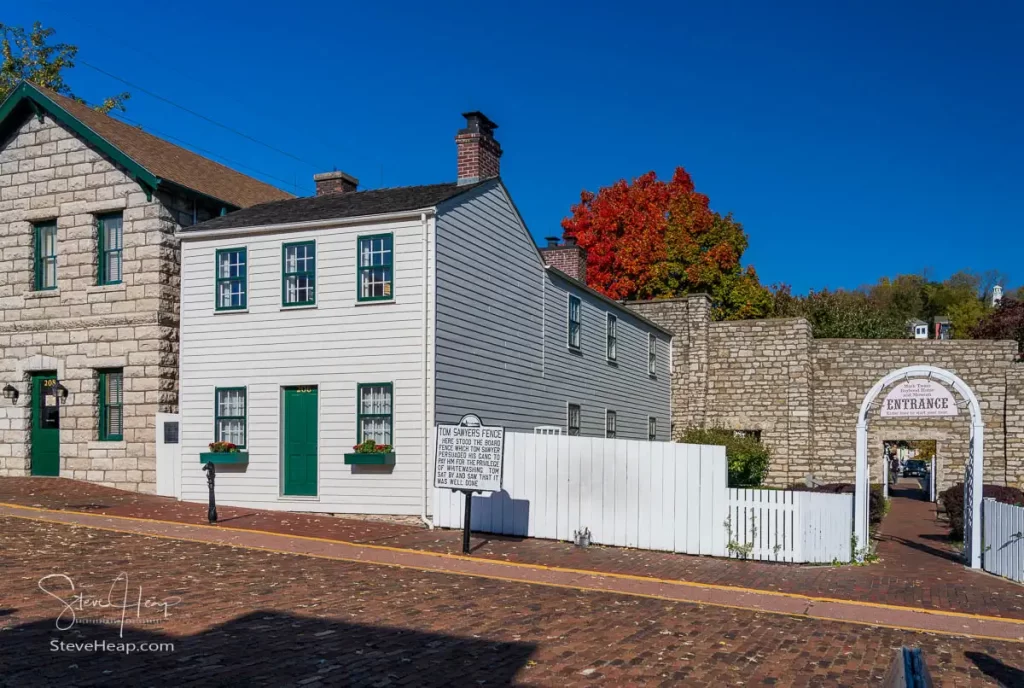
(468,456)
(919,399)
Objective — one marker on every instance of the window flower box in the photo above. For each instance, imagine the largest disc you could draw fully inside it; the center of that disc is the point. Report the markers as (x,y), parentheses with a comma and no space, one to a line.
(224,453)
(369,453)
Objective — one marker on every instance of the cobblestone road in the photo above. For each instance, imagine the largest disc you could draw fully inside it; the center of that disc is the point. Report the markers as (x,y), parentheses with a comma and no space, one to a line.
(259,618)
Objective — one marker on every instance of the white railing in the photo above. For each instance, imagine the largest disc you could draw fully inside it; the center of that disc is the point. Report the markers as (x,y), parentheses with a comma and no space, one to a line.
(649,495)
(1003,539)
(781,525)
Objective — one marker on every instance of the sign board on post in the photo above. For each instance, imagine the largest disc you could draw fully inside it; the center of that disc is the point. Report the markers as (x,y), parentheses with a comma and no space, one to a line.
(468,458)
(919,399)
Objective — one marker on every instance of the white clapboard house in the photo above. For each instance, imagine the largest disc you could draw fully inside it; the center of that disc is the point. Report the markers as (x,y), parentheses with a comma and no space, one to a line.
(313,324)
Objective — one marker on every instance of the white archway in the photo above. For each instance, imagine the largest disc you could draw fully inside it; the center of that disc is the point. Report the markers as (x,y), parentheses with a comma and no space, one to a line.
(973,469)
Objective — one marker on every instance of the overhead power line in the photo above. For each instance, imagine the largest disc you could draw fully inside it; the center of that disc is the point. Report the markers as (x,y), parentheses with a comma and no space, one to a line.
(196,114)
(205,151)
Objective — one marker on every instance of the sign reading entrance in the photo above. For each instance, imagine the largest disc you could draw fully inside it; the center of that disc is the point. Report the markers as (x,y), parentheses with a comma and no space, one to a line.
(919,399)
(469,455)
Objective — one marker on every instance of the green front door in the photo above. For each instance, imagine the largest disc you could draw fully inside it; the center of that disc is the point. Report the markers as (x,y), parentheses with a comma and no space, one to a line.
(300,446)
(45,425)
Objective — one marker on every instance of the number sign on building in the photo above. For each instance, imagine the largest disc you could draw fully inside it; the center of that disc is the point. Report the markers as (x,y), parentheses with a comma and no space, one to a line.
(919,399)
(469,455)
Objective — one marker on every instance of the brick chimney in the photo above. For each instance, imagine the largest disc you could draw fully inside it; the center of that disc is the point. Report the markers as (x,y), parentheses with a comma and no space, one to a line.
(334,183)
(479,153)
(568,257)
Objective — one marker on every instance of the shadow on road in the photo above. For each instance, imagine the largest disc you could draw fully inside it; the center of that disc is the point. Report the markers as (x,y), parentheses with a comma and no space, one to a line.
(990,666)
(260,648)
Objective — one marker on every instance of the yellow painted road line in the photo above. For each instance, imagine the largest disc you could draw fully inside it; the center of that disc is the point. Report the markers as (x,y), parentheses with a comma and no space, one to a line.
(522,565)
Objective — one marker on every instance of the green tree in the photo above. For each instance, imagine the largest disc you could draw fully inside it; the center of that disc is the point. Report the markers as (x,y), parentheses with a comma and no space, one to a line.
(28,55)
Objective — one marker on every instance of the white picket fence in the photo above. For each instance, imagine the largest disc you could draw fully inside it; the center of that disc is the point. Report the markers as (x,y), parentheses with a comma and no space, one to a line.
(1003,539)
(782,525)
(648,495)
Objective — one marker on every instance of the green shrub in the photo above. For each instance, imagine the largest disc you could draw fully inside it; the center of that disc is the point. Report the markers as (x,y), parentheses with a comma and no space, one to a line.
(877,506)
(953,502)
(748,458)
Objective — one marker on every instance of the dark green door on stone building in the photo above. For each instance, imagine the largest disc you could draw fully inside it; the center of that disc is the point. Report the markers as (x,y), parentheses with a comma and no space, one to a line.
(300,441)
(45,451)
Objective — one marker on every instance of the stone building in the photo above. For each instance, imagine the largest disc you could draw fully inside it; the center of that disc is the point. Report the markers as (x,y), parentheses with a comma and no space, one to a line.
(802,395)
(89,282)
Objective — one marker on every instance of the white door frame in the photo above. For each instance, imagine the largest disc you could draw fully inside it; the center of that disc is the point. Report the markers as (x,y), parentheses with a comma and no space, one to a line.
(973,479)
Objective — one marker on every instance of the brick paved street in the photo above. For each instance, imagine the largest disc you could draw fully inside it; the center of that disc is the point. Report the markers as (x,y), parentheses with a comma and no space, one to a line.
(251,617)
(917,568)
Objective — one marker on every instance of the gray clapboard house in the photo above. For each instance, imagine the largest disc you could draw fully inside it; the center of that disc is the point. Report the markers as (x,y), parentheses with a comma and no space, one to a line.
(311,325)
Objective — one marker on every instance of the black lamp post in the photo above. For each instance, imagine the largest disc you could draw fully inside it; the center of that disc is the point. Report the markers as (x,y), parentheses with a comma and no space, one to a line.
(211,475)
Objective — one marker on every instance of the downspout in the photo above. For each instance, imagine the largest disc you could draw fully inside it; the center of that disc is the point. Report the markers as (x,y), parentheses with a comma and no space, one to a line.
(426,342)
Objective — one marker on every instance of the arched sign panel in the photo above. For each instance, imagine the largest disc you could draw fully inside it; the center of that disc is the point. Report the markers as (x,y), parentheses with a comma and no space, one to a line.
(919,399)
(920,394)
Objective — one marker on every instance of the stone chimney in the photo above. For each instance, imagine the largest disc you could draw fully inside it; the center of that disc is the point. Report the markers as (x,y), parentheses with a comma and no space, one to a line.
(334,183)
(568,257)
(479,152)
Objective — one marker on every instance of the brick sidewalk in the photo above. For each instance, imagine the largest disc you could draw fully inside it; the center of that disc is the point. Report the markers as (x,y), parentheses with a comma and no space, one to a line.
(260,618)
(917,568)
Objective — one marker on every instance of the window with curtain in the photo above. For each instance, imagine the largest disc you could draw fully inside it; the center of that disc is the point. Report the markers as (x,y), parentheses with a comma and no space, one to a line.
(652,428)
(652,355)
(374,413)
(299,274)
(612,345)
(229,415)
(609,424)
(110,232)
(376,268)
(231,279)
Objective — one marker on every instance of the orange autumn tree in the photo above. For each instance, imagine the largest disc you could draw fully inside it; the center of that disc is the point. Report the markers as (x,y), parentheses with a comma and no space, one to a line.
(655,239)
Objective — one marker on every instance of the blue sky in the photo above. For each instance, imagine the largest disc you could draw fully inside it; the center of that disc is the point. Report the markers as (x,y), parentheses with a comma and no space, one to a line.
(852,140)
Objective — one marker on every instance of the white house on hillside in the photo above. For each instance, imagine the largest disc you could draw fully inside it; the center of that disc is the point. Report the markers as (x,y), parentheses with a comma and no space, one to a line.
(313,324)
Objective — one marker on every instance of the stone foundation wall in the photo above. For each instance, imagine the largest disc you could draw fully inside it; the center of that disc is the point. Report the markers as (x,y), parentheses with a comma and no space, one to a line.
(46,173)
(803,394)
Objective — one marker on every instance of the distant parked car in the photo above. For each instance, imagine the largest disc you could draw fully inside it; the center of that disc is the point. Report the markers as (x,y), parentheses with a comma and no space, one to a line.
(915,468)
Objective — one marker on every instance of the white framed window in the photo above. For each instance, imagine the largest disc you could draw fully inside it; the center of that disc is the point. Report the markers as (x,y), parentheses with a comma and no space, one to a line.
(575,322)
(612,338)
(609,424)
(652,355)
(572,420)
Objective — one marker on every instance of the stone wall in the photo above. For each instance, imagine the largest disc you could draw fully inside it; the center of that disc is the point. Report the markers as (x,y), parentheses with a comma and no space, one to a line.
(803,394)
(46,173)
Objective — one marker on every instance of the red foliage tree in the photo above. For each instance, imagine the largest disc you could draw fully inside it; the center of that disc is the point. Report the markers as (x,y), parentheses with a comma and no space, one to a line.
(653,239)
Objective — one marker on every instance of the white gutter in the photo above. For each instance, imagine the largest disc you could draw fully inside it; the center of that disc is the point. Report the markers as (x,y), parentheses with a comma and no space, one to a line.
(299,226)
(426,340)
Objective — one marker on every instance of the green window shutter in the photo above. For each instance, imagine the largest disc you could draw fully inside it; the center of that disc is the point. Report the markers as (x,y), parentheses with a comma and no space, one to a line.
(375,412)
(111,398)
(45,256)
(109,243)
(229,414)
(376,275)
(231,273)
(298,274)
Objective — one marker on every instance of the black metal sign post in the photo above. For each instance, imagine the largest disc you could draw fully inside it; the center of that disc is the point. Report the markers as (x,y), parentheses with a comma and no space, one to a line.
(466,520)
(211,475)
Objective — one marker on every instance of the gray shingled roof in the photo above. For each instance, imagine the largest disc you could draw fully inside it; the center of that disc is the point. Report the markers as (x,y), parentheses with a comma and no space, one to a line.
(331,206)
